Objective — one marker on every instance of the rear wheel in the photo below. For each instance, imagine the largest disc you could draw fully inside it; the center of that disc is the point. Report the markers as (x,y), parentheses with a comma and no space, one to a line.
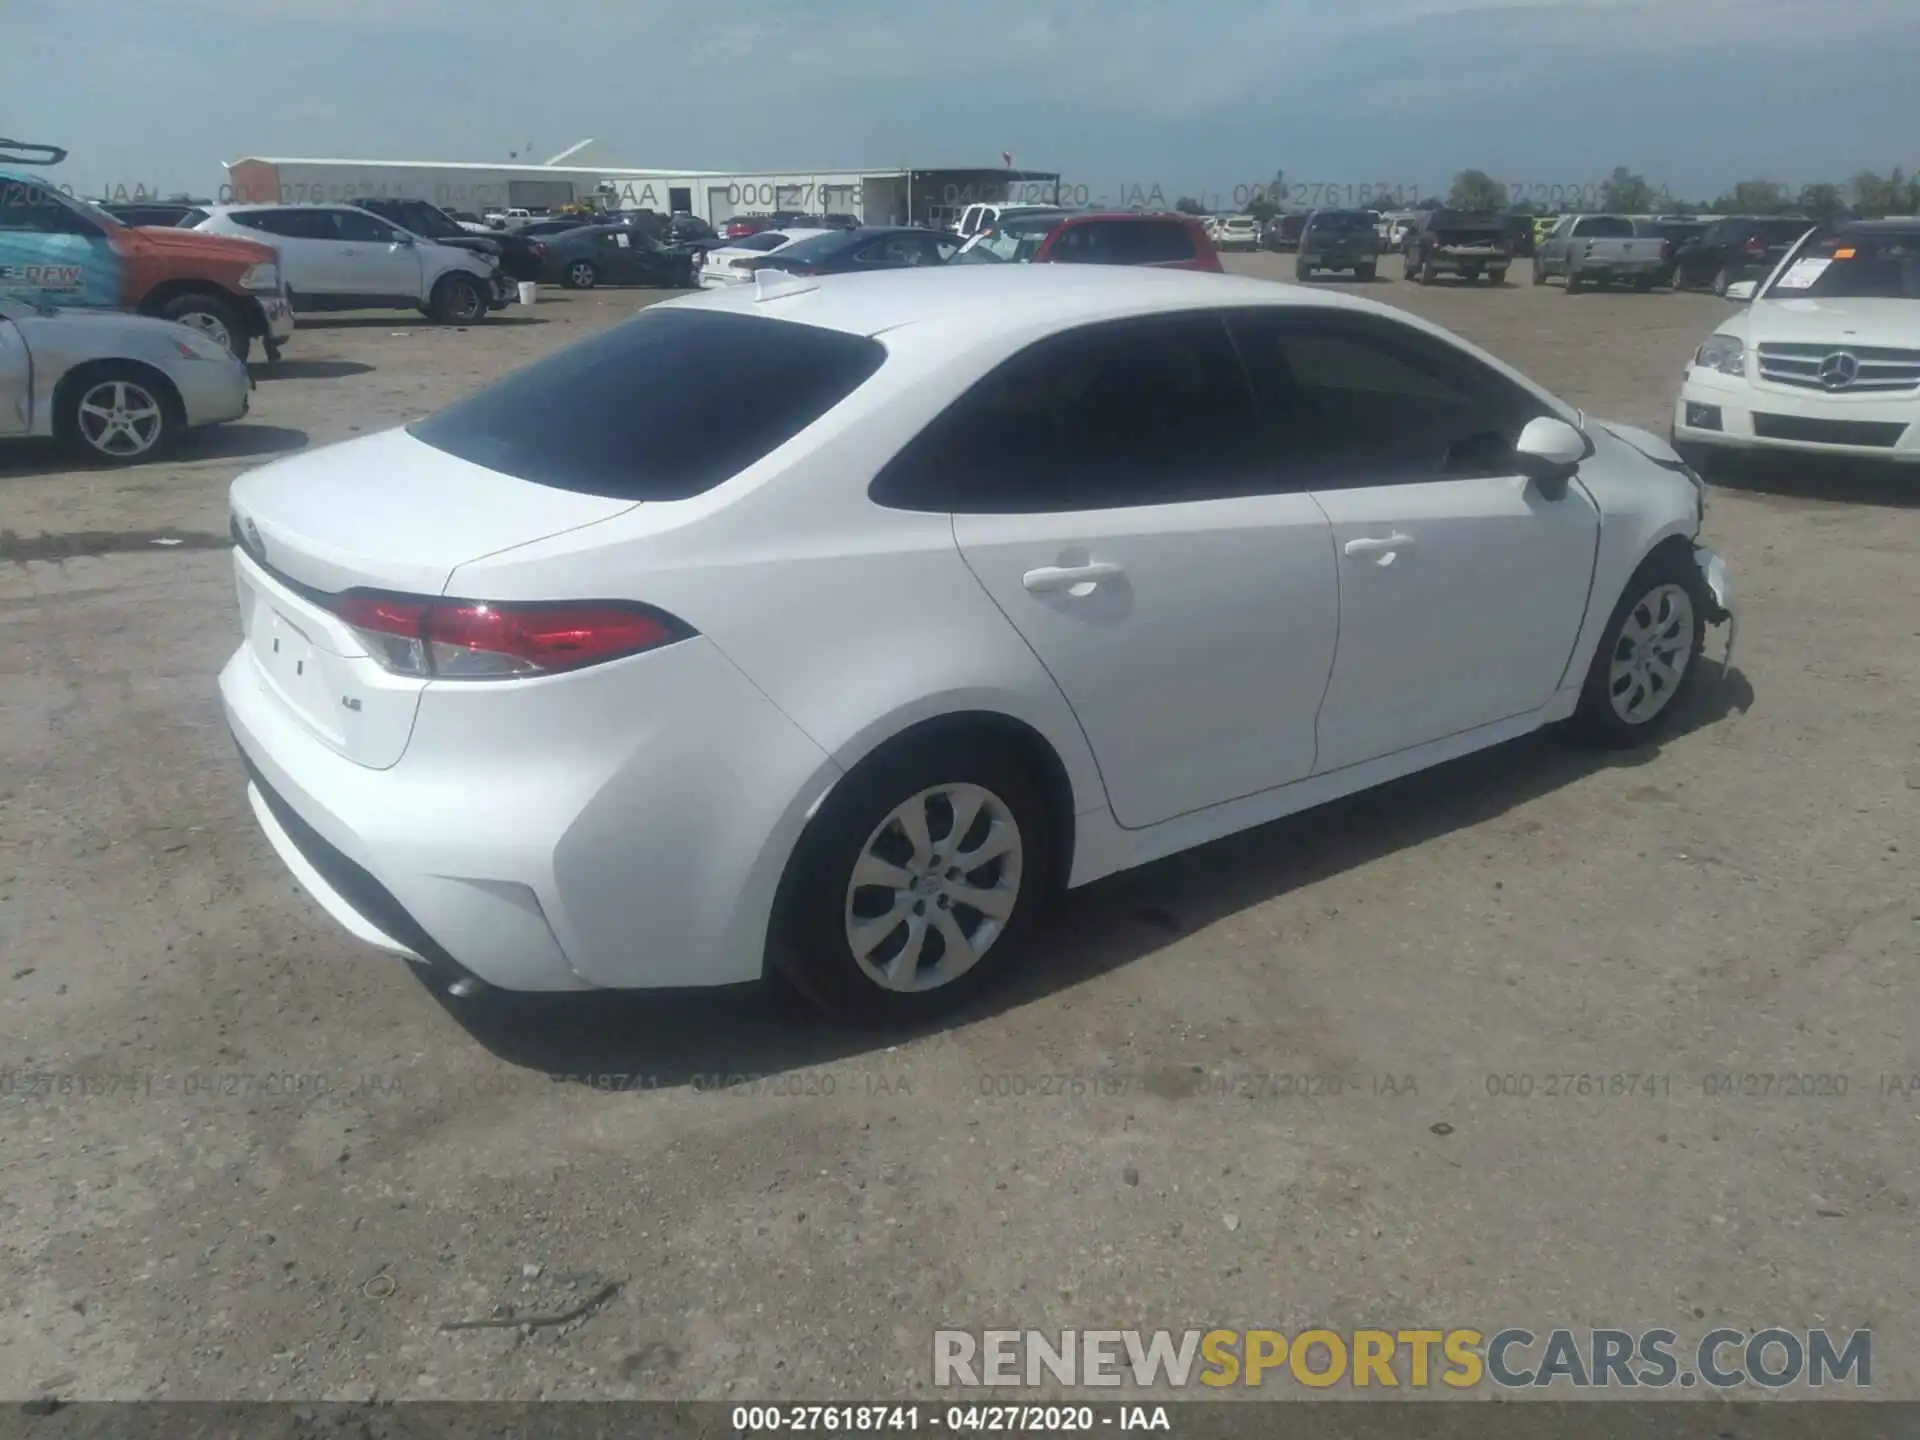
(912,888)
(1722,279)
(1302,272)
(214,316)
(457,300)
(119,414)
(1648,654)
(1539,273)
(1499,277)
(1573,280)
(1368,272)
(579,275)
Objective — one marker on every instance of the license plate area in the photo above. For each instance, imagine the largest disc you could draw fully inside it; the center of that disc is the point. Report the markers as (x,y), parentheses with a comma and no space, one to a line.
(292,665)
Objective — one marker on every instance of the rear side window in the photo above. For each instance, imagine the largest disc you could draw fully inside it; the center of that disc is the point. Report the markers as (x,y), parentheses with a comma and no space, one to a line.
(653,409)
(1126,413)
(290,223)
(1152,242)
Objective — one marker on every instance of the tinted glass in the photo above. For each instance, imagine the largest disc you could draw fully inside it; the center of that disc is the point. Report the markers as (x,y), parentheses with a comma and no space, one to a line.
(1133,412)
(26,206)
(1151,242)
(1877,265)
(1776,232)
(295,224)
(651,409)
(1607,227)
(1360,401)
(1343,222)
(817,248)
(359,225)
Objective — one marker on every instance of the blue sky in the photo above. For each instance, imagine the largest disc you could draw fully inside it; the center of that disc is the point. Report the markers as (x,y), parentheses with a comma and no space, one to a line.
(1195,97)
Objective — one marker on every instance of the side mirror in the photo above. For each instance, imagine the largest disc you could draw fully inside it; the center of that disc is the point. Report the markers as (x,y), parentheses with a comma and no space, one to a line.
(1549,450)
(1741,291)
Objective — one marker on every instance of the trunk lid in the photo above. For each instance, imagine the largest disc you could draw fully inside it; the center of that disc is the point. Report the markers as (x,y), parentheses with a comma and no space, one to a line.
(387,512)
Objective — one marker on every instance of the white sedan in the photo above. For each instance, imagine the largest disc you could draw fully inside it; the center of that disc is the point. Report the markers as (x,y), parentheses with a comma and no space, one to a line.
(117,388)
(821,627)
(1826,359)
(732,263)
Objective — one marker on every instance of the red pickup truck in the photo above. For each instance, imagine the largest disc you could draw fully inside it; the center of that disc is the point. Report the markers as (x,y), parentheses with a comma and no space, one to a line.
(56,249)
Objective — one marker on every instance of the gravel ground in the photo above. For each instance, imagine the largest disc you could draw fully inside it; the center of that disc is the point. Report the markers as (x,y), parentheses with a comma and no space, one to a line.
(269,1163)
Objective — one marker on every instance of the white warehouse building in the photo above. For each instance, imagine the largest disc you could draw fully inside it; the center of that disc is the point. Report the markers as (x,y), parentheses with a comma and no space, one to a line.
(874,196)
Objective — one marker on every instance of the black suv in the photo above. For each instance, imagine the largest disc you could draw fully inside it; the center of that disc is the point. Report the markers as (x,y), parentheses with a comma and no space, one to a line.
(1338,240)
(520,258)
(1737,248)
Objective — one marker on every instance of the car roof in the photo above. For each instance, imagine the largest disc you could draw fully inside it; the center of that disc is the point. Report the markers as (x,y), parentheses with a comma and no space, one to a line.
(1887,225)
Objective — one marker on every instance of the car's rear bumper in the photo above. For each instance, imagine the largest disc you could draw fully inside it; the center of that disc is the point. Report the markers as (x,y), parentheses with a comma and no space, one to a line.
(1732,413)
(626,828)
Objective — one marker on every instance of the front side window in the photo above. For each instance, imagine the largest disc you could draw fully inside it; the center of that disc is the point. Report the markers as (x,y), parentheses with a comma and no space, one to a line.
(36,209)
(1360,401)
(1124,413)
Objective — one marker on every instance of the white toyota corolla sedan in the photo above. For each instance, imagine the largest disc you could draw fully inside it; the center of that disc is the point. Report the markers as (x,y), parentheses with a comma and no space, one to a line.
(1826,360)
(818,628)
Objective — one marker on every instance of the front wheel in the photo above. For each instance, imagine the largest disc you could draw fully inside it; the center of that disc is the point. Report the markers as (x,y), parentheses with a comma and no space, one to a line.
(580,275)
(1647,656)
(1302,272)
(1499,277)
(911,889)
(1539,272)
(214,317)
(1722,280)
(457,300)
(119,414)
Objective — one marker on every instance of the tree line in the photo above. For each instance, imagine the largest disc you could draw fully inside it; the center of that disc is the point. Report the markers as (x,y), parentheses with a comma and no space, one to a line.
(1627,192)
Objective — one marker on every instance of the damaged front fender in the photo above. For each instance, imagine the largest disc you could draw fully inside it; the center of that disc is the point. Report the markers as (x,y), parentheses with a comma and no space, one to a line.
(1719,585)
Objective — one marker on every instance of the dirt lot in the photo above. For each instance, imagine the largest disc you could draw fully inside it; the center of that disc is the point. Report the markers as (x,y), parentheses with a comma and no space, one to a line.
(265,1162)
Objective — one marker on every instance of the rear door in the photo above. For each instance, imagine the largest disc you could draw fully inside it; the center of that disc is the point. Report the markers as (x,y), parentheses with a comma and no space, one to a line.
(1110,489)
(308,262)
(1462,584)
(53,254)
(375,258)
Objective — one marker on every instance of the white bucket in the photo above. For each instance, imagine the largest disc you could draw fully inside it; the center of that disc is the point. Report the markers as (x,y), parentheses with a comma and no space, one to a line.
(528,290)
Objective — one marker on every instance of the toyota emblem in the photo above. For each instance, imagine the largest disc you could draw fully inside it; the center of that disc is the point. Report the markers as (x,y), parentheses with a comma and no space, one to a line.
(1839,370)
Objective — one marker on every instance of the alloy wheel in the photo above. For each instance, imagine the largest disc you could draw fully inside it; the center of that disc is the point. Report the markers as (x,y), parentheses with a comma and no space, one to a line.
(210,325)
(121,418)
(933,888)
(1652,654)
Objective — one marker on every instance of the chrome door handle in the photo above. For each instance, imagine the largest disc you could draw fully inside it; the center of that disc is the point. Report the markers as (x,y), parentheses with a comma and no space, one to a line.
(1386,546)
(1079,579)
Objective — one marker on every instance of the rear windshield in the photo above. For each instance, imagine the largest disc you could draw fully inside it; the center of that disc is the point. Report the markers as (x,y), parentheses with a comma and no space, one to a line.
(765,240)
(1343,222)
(661,407)
(1605,227)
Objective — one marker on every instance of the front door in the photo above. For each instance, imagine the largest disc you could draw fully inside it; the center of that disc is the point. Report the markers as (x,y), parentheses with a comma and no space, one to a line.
(16,382)
(1463,584)
(1109,487)
(51,253)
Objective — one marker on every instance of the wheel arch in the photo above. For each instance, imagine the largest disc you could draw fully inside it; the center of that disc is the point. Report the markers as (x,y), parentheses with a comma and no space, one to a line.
(246,306)
(167,392)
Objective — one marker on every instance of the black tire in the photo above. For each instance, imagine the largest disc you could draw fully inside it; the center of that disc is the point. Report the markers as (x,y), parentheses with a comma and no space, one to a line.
(458,300)
(1539,273)
(1644,285)
(213,315)
(133,390)
(1368,273)
(1598,720)
(1499,277)
(810,946)
(1420,274)
(579,275)
(1722,278)
(1573,280)
(1301,272)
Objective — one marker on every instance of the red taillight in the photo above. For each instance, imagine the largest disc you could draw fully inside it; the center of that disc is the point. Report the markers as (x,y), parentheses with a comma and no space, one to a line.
(477,640)
(1757,249)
